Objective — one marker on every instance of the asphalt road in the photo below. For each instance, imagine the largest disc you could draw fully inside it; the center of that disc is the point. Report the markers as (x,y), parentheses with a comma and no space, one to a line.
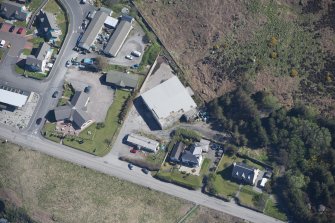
(120,170)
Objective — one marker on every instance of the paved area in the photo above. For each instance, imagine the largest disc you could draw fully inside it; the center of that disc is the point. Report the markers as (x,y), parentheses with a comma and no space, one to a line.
(17,41)
(194,171)
(101,96)
(19,118)
(133,42)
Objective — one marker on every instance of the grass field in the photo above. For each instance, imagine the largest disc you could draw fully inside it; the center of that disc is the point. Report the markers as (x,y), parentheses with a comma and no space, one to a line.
(99,142)
(49,132)
(54,190)
(176,177)
(224,187)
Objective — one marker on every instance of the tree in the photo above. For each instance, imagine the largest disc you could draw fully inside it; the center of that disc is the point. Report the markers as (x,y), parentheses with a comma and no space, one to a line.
(101,63)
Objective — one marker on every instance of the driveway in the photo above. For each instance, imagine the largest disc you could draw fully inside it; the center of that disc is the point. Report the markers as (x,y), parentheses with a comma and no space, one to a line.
(101,96)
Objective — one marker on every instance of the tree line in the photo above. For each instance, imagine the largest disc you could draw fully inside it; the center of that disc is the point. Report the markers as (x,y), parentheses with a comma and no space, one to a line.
(298,140)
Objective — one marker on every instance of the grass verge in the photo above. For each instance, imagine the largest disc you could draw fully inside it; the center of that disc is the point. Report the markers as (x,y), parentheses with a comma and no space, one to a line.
(273,210)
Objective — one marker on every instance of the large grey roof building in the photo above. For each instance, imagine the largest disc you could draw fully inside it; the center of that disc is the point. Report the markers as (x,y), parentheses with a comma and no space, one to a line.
(119,36)
(13,10)
(75,111)
(92,31)
(38,61)
(168,101)
(122,80)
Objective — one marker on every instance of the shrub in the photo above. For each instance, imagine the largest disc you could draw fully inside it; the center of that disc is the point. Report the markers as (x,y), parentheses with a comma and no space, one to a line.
(294,72)
(100,125)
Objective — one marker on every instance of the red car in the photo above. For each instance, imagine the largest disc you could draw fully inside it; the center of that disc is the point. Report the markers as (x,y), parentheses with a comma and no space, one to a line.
(20,30)
(133,151)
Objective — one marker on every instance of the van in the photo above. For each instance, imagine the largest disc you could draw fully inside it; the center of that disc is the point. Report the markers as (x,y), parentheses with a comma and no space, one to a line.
(2,43)
(136,53)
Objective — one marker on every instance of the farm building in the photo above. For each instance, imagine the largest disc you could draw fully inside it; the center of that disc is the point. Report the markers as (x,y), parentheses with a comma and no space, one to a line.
(12,97)
(143,142)
(119,36)
(122,80)
(168,101)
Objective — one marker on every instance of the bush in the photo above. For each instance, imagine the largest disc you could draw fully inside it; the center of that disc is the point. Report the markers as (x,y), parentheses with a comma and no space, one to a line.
(187,134)
(100,125)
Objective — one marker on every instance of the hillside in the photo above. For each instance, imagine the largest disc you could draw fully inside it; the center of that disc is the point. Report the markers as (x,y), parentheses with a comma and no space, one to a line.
(284,47)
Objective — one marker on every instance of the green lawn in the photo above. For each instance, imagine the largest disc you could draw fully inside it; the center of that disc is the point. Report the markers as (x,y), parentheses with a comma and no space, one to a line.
(36,41)
(100,140)
(35,75)
(224,187)
(49,132)
(33,5)
(26,52)
(68,92)
(247,195)
(189,181)
(53,7)
(258,154)
(205,166)
(156,158)
(273,210)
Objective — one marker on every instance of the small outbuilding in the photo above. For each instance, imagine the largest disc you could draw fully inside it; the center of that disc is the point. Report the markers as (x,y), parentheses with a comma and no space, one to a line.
(143,143)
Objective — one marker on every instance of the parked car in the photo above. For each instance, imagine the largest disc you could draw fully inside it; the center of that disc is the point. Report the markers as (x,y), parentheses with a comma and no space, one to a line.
(68,63)
(38,121)
(136,53)
(20,30)
(11,29)
(87,89)
(133,150)
(145,170)
(55,94)
(130,166)
(2,43)
(129,57)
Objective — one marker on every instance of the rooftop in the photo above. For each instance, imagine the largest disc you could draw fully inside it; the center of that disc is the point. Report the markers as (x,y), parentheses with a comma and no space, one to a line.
(168,98)
(143,142)
(93,30)
(122,79)
(118,37)
(12,96)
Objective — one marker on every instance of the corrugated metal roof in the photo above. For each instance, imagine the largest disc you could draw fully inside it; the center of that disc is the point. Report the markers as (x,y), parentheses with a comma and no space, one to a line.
(143,142)
(12,98)
(93,30)
(118,37)
(168,98)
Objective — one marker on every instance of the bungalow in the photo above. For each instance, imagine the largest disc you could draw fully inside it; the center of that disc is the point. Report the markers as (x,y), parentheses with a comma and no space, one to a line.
(37,62)
(47,26)
(177,150)
(245,173)
(122,80)
(143,142)
(13,11)
(75,111)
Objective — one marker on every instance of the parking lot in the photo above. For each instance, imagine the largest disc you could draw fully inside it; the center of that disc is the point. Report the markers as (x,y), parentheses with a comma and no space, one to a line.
(101,96)
(17,41)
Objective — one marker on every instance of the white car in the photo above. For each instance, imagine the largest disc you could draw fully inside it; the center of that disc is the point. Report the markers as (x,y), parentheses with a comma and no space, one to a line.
(136,53)
(129,57)
(2,43)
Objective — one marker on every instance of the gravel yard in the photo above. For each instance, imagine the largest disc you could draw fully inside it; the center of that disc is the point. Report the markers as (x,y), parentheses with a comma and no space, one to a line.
(19,119)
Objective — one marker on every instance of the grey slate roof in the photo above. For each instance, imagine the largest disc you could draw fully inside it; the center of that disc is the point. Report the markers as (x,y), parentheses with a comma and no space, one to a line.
(13,10)
(62,112)
(119,36)
(93,30)
(189,158)
(48,21)
(37,59)
(243,172)
(178,148)
(79,99)
(123,80)
(75,110)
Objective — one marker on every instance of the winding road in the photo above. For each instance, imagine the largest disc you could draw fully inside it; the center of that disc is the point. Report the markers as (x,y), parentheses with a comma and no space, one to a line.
(31,139)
